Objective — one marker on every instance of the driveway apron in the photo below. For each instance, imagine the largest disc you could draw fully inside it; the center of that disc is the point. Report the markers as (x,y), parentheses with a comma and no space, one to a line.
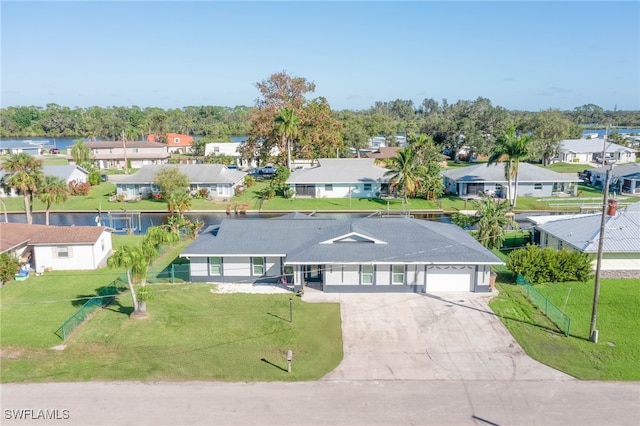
(452,336)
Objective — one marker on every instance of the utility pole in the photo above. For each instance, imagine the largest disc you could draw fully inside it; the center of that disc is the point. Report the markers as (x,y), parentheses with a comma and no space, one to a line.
(126,161)
(593,332)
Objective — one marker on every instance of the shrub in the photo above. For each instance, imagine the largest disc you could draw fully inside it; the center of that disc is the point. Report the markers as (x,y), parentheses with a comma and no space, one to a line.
(249,181)
(202,193)
(9,265)
(79,188)
(289,193)
(239,190)
(94,178)
(543,265)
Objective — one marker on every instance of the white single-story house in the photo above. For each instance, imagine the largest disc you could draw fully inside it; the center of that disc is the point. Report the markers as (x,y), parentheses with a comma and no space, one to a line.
(621,242)
(9,147)
(533,181)
(590,151)
(47,247)
(340,178)
(624,179)
(217,178)
(372,254)
(68,172)
(223,148)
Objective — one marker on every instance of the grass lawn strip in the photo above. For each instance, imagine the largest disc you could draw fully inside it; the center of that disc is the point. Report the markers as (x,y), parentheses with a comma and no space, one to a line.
(615,357)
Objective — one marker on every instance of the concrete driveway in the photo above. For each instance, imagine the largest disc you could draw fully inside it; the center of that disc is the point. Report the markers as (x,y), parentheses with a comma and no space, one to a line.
(428,337)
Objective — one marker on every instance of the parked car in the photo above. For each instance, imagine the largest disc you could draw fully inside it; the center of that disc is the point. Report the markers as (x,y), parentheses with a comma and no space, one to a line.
(269,169)
(54,151)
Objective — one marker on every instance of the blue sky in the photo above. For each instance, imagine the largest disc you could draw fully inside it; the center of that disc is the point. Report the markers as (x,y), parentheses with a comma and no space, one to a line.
(520,55)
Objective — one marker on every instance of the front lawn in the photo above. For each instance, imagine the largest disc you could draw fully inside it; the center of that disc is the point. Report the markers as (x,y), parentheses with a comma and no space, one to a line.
(615,357)
(192,333)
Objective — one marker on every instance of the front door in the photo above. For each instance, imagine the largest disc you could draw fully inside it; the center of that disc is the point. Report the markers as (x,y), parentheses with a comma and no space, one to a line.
(312,273)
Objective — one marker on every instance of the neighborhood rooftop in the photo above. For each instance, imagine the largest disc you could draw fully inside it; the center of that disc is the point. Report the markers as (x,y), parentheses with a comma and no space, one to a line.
(340,170)
(195,173)
(495,173)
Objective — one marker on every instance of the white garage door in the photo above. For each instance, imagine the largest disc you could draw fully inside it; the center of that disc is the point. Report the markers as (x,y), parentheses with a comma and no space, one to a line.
(449,278)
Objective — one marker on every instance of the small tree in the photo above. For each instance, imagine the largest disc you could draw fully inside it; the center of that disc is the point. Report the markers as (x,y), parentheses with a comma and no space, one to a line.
(170,180)
(493,221)
(54,190)
(136,260)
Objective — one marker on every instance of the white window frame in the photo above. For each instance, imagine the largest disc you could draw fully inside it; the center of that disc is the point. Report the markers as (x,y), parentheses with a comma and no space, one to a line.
(58,250)
(328,187)
(395,274)
(367,187)
(257,269)
(213,266)
(364,274)
(537,187)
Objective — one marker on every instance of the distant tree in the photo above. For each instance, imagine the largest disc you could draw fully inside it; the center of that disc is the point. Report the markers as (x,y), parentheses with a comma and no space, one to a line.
(510,148)
(548,129)
(54,190)
(25,175)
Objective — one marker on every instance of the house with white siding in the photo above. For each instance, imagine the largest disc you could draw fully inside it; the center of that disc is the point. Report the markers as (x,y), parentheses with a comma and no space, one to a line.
(590,151)
(621,242)
(47,247)
(340,178)
(217,178)
(68,173)
(372,254)
(533,181)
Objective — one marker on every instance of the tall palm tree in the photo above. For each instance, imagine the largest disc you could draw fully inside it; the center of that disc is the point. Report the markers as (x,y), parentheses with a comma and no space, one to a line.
(287,122)
(493,220)
(54,190)
(80,152)
(510,149)
(405,173)
(26,176)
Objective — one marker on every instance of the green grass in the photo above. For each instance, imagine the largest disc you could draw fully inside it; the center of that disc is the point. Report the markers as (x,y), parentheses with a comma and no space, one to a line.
(568,167)
(616,355)
(191,333)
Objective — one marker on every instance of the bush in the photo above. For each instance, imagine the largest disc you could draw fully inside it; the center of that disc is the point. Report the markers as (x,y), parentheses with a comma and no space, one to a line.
(249,181)
(543,265)
(202,193)
(9,265)
(289,193)
(79,188)
(94,178)
(239,190)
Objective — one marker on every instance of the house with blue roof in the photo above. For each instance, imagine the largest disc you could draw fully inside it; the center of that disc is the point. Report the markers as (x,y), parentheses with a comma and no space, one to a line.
(372,254)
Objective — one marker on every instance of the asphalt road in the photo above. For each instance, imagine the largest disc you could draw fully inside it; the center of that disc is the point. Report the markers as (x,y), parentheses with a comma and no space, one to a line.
(326,403)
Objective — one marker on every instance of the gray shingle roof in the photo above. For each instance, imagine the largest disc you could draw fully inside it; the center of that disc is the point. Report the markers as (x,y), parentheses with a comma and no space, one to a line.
(590,145)
(196,173)
(62,171)
(623,170)
(303,240)
(495,173)
(622,231)
(340,170)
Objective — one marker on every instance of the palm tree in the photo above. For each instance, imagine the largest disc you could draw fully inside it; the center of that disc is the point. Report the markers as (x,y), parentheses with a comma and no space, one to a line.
(26,176)
(406,173)
(80,152)
(136,260)
(287,123)
(54,190)
(430,157)
(493,220)
(514,148)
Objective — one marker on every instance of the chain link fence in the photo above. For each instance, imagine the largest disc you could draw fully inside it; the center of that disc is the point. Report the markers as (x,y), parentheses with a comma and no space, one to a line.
(552,312)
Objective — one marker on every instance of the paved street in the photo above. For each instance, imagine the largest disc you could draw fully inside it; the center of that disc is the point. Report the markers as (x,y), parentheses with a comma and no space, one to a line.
(408,360)
(413,402)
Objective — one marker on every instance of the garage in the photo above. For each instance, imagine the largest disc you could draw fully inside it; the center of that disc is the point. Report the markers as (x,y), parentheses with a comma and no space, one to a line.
(449,278)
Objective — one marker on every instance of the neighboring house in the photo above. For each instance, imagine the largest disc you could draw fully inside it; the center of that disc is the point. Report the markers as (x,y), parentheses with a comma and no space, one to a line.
(176,143)
(113,155)
(590,151)
(17,147)
(373,254)
(217,178)
(624,179)
(383,153)
(45,247)
(340,178)
(231,149)
(621,242)
(489,179)
(68,172)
